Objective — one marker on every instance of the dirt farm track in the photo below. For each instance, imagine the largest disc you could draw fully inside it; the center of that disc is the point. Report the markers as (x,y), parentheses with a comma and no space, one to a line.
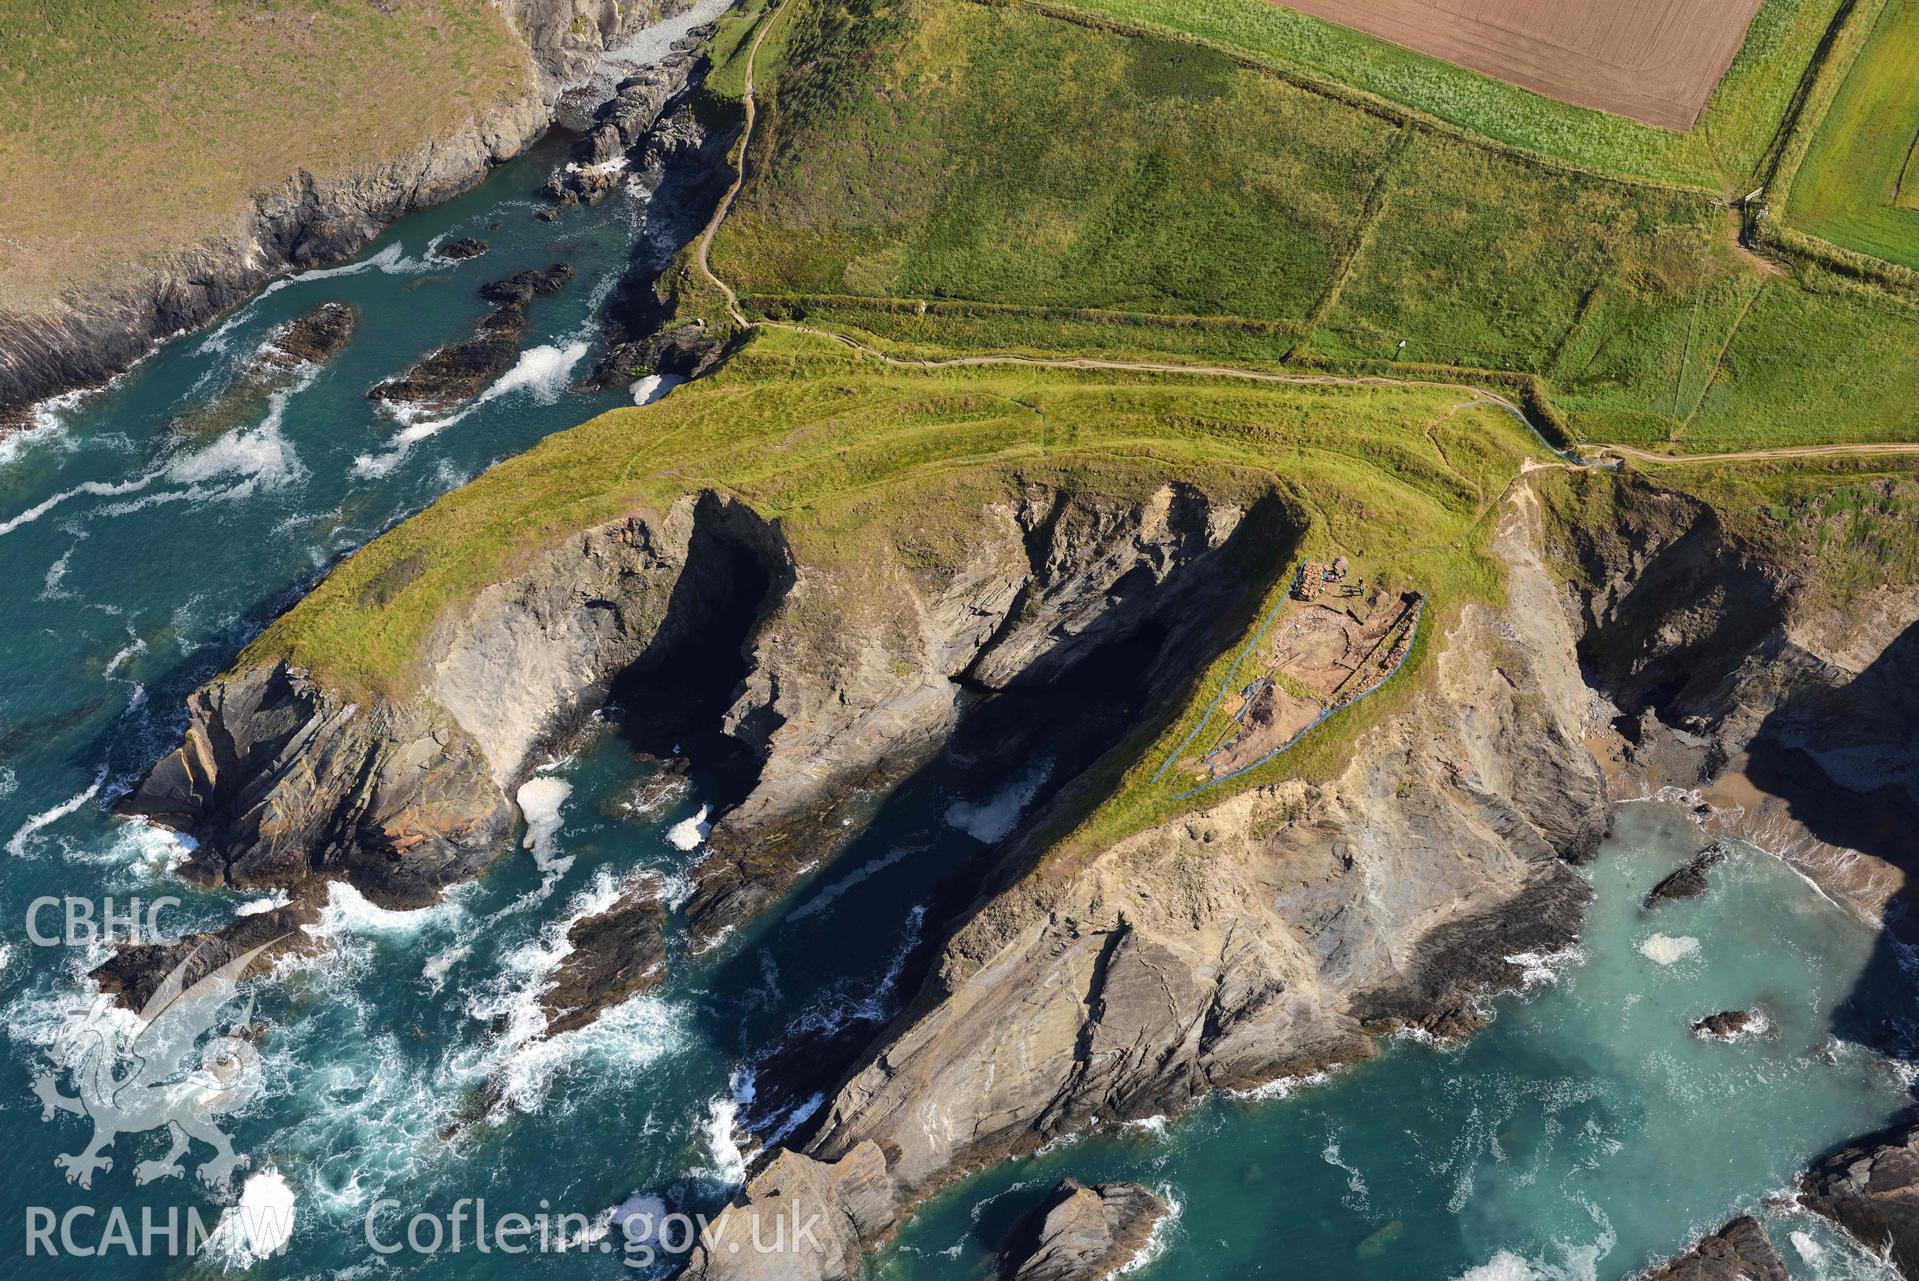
(1654,60)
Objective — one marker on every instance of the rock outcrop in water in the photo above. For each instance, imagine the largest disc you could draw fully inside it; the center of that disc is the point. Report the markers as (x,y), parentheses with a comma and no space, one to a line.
(283,779)
(291,352)
(1081,1233)
(1737,1252)
(457,372)
(615,954)
(311,220)
(1688,882)
(1727,1025)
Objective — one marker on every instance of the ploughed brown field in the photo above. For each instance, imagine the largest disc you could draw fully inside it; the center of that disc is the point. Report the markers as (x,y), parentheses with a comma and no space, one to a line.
(1654,60)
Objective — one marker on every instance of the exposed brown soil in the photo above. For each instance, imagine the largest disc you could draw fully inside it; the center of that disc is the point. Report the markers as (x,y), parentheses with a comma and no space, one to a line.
(1655,60)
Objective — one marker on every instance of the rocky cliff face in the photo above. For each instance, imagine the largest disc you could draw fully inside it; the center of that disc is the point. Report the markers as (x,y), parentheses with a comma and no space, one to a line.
(846,694)
(1270,934)
(1872,1190)
(282,778)
(1787,715)
(310,220)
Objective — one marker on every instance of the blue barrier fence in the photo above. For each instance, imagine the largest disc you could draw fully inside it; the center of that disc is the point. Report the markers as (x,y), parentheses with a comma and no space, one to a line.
(1411,637)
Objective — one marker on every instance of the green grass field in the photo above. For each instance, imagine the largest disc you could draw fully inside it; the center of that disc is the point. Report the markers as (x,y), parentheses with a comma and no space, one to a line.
(1859,184)
(1180,205)
(1815,366)
(1057,168)
(133,127)
(875,473)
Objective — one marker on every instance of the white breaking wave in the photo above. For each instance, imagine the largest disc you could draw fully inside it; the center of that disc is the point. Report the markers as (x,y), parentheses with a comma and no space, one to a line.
(654,386)
(259,1227)
(1664,949)
(1156,1241)
(1504,1266)
(391,261)
(991,820)
(50,588)
(841,1005)
(17,844)
(436,967)
(865,872)
(522,1059)
(1358,1197)
(260,456)
(93,488)
(349,912)
(255,906)
(1539,968)
(540,800)
(543,372)
(688,833)
(729,1162)
(144,848)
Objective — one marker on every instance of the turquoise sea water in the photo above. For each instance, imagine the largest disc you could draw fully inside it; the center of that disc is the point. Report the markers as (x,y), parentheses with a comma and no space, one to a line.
(1585,1132)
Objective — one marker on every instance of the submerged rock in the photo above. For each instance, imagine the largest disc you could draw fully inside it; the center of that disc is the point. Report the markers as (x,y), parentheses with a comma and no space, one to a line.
(1688,882)
(1872,1191)
(314,338)
(462,249)
(1737,1252)
(1081,1233)
(299,345)
(522,286)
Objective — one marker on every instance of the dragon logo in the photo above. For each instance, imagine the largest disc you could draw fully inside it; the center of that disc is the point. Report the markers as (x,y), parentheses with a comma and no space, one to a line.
(139,1079)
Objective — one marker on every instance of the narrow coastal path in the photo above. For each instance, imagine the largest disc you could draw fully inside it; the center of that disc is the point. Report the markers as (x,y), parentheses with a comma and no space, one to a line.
(1583,453)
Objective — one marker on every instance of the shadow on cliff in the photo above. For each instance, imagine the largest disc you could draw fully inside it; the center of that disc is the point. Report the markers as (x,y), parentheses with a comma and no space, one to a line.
(1843,759)
(916,872)
(671,699)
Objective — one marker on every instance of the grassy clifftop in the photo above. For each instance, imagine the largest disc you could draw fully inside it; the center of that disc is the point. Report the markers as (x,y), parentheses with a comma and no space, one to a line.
(866,466)
(133,126)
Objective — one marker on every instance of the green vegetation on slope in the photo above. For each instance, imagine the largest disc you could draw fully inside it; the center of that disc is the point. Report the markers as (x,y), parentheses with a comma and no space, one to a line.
(131,126)
(871,468)
(1859,183)
(1481,259)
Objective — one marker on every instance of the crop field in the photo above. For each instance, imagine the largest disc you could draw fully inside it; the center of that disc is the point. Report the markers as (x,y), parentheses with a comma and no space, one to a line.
(1654,60)
(1859,185)
(1722,150)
